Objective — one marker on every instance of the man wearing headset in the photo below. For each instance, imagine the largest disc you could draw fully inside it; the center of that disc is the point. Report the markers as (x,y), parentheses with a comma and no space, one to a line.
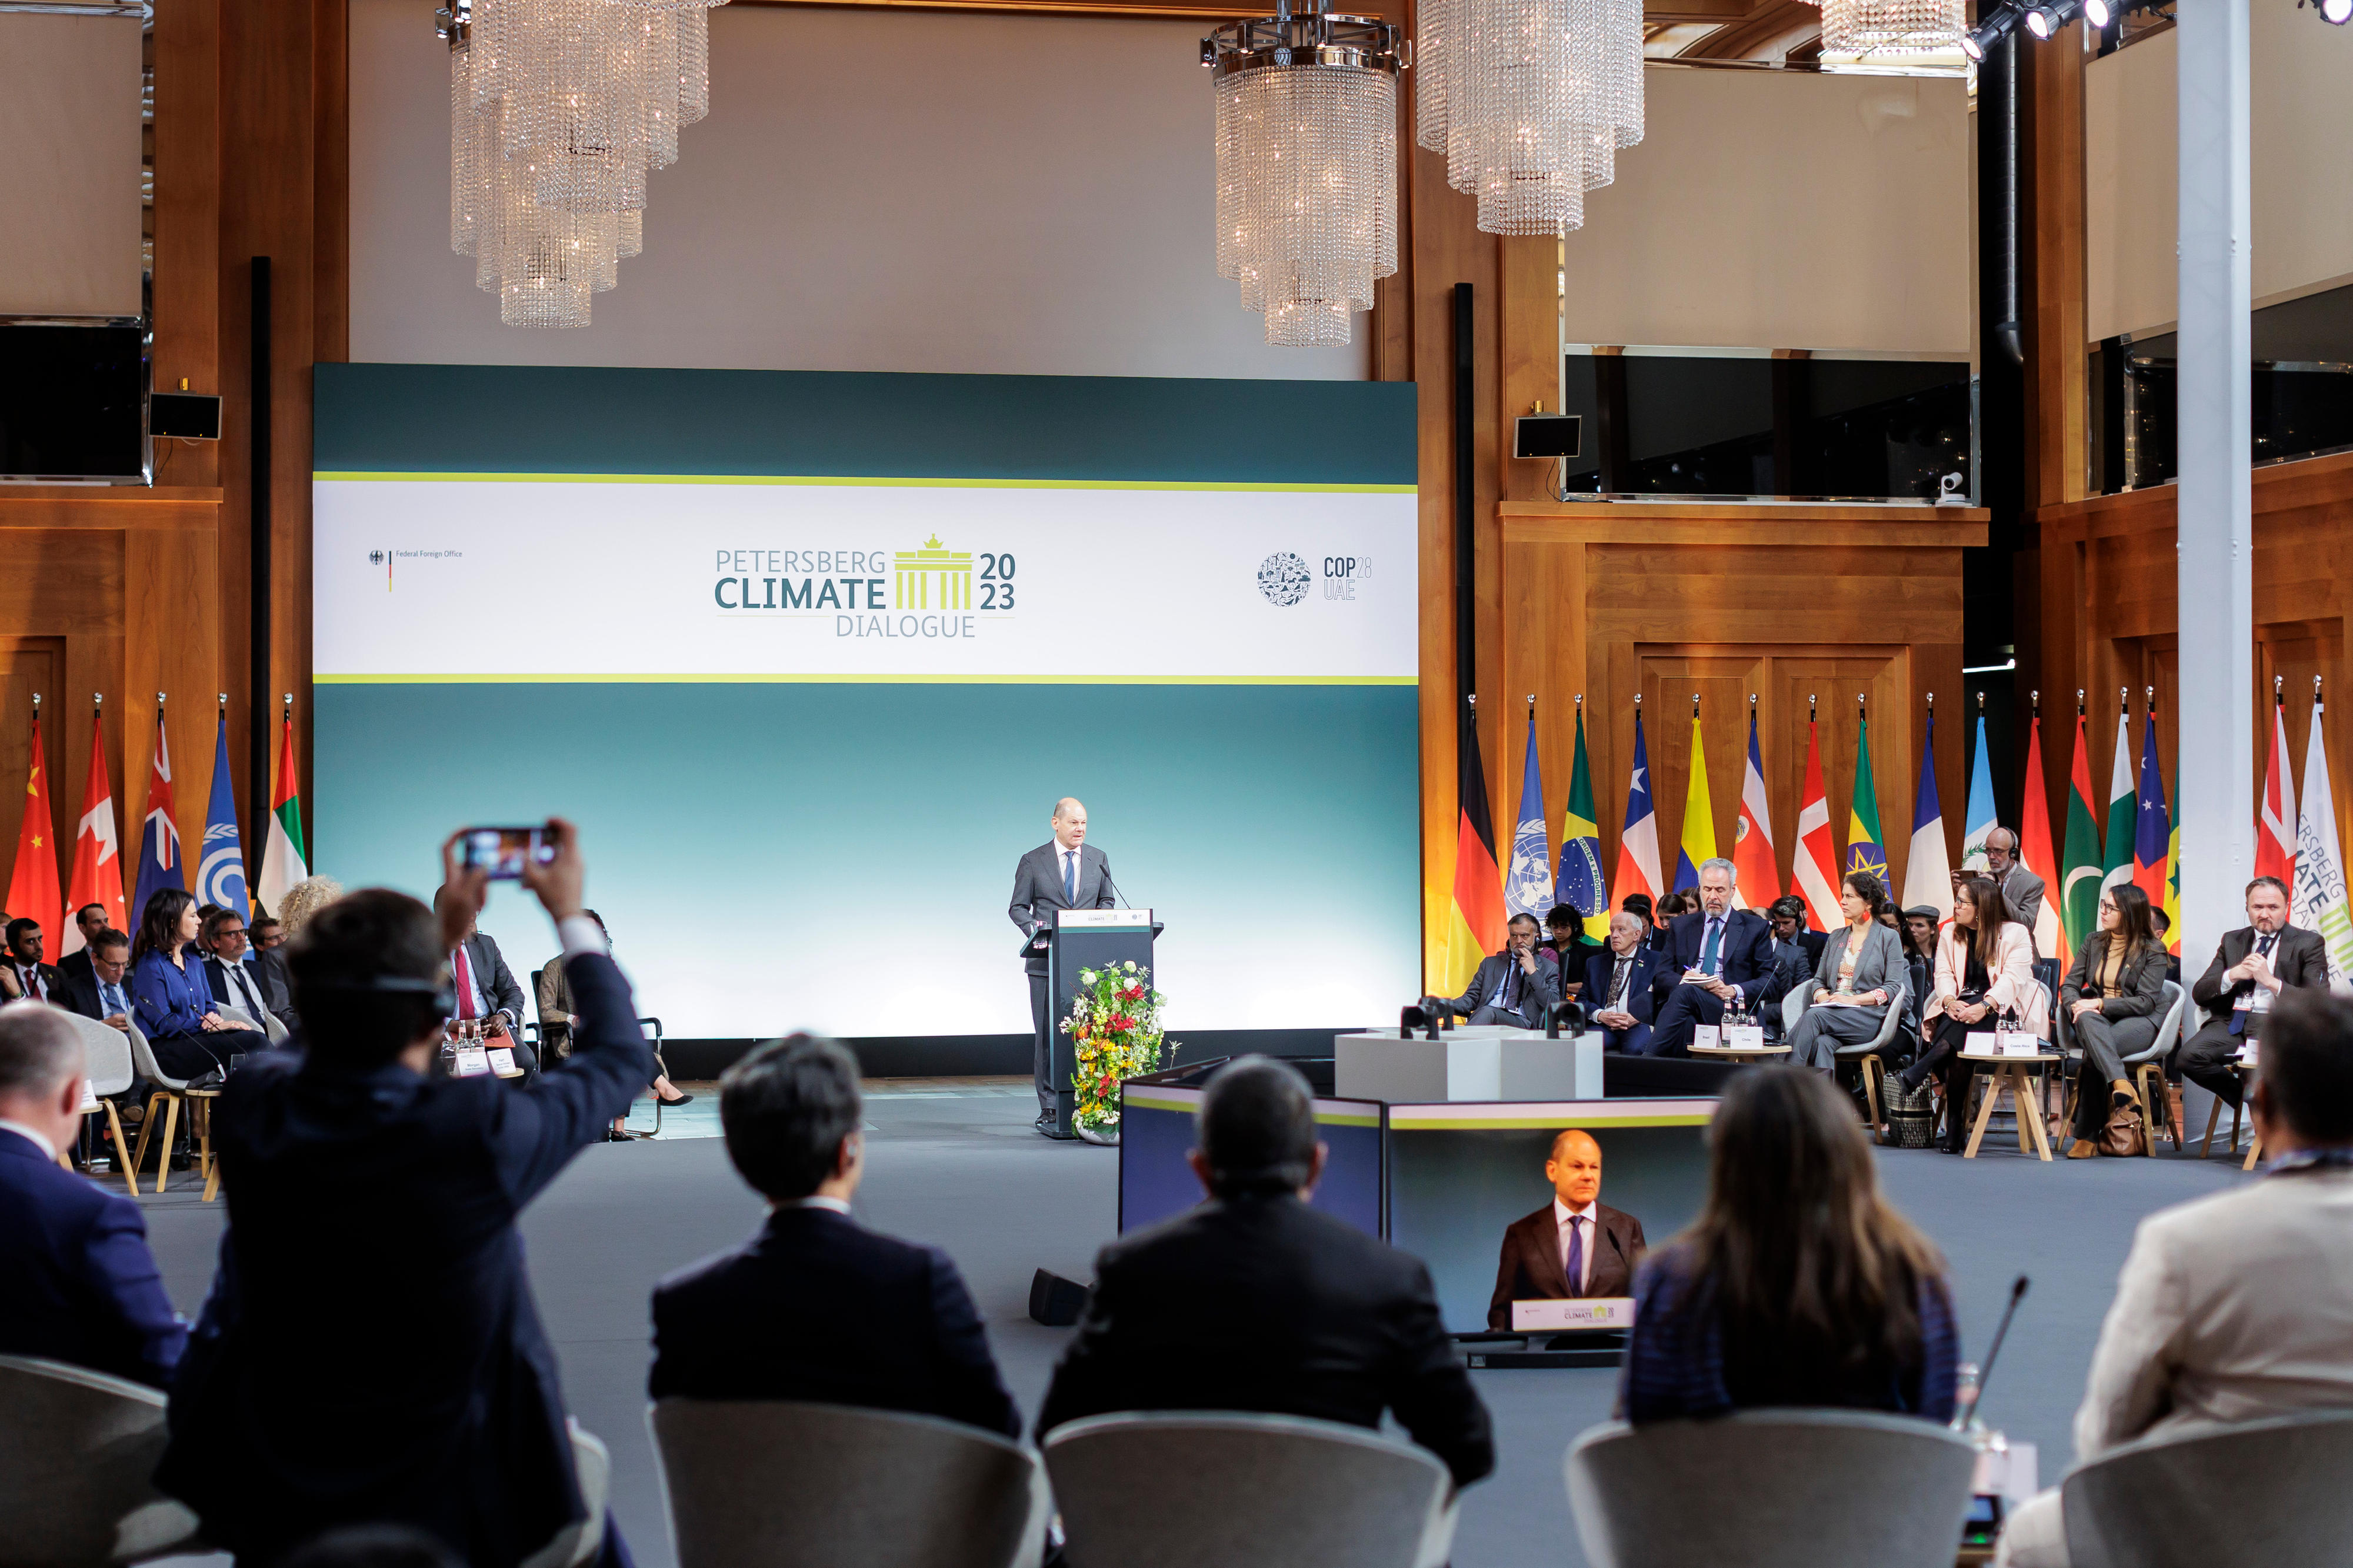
(371,1350)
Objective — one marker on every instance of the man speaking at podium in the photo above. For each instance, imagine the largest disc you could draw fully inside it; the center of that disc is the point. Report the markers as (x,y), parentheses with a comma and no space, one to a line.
(1065,873)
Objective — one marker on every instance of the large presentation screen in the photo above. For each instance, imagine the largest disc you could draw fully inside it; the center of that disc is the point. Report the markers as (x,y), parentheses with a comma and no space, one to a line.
(810,656)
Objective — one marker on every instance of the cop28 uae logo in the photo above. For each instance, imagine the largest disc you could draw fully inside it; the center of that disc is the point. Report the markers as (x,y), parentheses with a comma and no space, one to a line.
(1283,578)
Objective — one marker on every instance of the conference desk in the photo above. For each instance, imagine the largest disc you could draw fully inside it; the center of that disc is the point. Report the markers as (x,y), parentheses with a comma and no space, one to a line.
(1475,1062)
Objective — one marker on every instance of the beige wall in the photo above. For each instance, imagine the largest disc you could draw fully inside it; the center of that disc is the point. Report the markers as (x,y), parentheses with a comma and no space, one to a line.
(1770,209)
(874,190)
(2303,183)
(69,133)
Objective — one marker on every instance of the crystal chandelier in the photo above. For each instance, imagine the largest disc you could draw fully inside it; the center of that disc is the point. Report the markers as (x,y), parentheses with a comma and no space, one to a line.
(1530,100)
(558,111)
(1306,166)
(1892,27)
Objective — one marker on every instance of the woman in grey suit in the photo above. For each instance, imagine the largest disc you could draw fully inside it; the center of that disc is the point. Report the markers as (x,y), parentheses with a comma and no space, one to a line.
(2113,999)
(1862,967)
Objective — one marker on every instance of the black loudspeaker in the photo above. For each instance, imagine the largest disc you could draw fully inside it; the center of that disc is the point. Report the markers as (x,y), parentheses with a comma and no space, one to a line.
(1056,1301)
(190,415)
(1547,435)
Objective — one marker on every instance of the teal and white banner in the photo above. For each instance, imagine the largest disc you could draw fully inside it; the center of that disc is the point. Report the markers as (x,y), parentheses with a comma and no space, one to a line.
(810,656)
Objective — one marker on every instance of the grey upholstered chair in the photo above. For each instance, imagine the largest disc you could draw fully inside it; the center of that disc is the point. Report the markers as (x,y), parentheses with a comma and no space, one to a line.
(109,1071)
(1780,1489)
(164,1091)
(1219,1490)
(2256,1495)
(77,1448)
(1868,1055)
(773,1484)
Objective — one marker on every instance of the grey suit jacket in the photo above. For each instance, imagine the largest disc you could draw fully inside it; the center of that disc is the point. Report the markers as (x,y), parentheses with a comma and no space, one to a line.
(1881,964)
(1037,891)
(2022,892)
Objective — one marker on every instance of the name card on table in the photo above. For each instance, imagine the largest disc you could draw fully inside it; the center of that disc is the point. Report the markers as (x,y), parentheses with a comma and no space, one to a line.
(1707,1034)
(2247,1053)
(1592,1312)
(474,1062)
(503,1061)
(1744,1036)
(2018,1043)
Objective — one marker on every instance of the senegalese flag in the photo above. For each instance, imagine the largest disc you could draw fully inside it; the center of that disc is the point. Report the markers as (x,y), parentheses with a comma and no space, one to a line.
(2079,892)
(284,857)
(1866,847)
(2123,810)
(1699,818)
(1579,882)
(1475,925)
(2173,870)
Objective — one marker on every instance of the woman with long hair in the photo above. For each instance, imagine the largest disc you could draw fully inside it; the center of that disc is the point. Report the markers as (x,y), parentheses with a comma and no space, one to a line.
(170,1000)
(556,1018)
(1861,972)
(1984,968)
(2112,998)
(1799,1284)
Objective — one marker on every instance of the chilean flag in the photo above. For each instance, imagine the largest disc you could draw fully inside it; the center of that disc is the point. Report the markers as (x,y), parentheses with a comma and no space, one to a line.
(2276,821)
(159,842)
(1638,846)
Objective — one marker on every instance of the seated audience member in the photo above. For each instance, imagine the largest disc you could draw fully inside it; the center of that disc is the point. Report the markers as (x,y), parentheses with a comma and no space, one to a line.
(1715,955)
(26,944)
(1254,1302)
(816,1307)
(555,1019)
(268,934)
(92,919)
(2239,1305)
(1515,986)
(1920,924)
(2021,890)
(2162,923)
(487,991)
(1853,985)
(1799,1284)
(2252,968)
(2113,999)
(77,1281)
(1653,934)
(1618,986)
(170,1001)
(1985,967)
(227,974)
(295,906)
(1565,941)
(371,1350)
(1794,952)
(105,994)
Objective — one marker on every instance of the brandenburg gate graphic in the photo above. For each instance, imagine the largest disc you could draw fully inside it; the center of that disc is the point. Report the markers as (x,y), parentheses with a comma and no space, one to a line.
(933,578)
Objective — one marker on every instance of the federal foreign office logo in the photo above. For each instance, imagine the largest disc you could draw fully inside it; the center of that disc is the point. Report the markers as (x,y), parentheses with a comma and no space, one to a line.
(1283,577)
(383,558)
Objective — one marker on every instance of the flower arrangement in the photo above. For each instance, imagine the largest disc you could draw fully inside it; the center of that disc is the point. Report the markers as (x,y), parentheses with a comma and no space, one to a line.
(1114,1029)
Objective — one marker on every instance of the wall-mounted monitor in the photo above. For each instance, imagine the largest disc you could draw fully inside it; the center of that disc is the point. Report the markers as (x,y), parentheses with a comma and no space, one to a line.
(73,403)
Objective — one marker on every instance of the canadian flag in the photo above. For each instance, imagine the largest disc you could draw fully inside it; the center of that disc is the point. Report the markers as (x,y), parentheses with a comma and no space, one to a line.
(2276,821)
(98,855)
(1811,870)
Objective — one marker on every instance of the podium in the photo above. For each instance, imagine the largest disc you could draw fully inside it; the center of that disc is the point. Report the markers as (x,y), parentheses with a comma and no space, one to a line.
(1086,939)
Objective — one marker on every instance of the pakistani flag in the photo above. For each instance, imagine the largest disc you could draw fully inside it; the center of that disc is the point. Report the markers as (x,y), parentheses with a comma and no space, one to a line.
(284,859)
(2124,813)
(1527,889)
(2079,891)
(1866,846)
(1578,882)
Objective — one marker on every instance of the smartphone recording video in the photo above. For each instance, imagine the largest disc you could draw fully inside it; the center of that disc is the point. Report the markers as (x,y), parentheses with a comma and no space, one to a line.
(503,851)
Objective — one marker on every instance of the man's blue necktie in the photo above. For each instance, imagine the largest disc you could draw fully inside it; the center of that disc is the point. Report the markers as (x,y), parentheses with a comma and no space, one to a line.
(1576,1252)
(1707,959)
(1070,877)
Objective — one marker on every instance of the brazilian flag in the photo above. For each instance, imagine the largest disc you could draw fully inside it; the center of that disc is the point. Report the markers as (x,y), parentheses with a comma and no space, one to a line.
(1577,883)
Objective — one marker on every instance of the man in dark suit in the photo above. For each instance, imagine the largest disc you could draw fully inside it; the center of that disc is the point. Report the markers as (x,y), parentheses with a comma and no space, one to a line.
(102,990)
(74,965)
(35,980)
(487,988)
(816,1307)
(1065,872)
(1254,1302)
(77,1281)
(1618,985)
(1717,954)
(2022,889)
(233,981)
(371,1348)
(2252,968)
(1513,987)
(1575,1246)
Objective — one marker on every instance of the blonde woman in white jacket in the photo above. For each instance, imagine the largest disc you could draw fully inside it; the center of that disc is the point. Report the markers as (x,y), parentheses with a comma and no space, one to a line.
(1985,967)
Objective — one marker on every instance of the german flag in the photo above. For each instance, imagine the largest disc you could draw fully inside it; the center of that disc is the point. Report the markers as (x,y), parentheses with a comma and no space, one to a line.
(1474,926)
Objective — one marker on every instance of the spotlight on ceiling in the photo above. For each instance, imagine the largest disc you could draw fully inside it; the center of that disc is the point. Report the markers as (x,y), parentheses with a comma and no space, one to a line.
(2336,12)
(1994,24)
(2043,21)
(2099,15)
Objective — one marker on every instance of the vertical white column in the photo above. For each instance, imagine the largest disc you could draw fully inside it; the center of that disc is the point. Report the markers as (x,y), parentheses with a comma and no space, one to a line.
(2216,525)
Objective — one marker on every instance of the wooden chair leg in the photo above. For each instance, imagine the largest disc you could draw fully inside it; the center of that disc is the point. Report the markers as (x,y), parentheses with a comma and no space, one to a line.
(1870,1095)
(2234,1122)
(2213,1114)
(2254,1152)
(146,1131)
(122,1166)
(171,1125)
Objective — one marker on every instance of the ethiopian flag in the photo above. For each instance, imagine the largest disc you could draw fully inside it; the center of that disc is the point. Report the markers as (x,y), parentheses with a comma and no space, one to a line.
(2079,891)
(1474,926)
(1699,818)
(1577,883)
(284,859)
(1866,846)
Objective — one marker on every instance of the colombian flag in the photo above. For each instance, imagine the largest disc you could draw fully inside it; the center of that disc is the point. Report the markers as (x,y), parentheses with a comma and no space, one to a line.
(1699,818)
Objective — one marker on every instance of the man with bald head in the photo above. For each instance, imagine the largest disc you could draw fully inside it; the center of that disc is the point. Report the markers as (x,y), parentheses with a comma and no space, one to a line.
(1066,872)
(1576,1246)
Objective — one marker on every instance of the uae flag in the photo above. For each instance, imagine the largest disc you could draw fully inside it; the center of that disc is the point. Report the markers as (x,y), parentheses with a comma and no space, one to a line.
(98,851)
(32,885)
(284,859)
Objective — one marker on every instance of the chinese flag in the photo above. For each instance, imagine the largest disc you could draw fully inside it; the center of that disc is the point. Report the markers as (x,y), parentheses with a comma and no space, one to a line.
(33,887)
(98,857)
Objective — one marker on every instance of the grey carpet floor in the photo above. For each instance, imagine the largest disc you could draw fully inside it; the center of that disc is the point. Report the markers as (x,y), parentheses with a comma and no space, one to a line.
(965,1173)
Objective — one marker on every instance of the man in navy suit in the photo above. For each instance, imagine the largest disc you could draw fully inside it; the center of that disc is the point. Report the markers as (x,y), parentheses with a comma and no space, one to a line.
(816,1307)
(77,1281)
(1716,955)
(1066,872)
(371,1350)
(1618,985)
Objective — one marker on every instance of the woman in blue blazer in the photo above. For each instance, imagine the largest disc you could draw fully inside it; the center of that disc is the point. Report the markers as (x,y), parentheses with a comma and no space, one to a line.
(170,1000)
